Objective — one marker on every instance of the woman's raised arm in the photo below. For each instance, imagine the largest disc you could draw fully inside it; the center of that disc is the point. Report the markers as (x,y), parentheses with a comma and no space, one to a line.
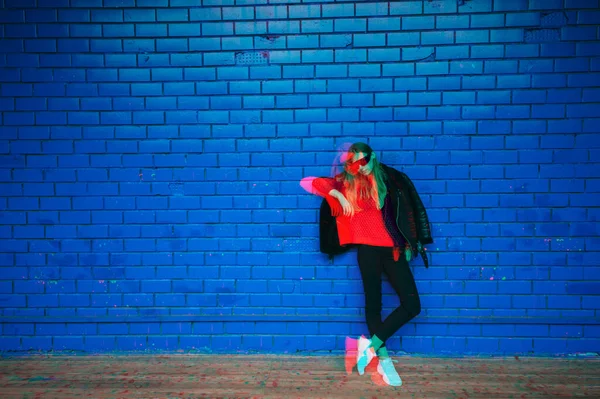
(321,186)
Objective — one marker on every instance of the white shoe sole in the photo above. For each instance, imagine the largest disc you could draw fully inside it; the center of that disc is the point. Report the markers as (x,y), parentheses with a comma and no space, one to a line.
(385,377)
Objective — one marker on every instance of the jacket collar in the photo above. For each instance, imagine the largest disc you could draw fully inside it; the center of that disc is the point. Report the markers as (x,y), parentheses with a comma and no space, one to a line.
(392,175)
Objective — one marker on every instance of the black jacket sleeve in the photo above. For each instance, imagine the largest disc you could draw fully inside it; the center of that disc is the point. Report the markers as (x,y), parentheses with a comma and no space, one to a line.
(421,219)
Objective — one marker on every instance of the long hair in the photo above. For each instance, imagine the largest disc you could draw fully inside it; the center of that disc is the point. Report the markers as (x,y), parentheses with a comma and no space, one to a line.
(356,188)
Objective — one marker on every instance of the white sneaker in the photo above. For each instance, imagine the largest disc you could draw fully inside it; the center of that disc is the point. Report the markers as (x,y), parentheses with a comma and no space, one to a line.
(364,354)
(388,372)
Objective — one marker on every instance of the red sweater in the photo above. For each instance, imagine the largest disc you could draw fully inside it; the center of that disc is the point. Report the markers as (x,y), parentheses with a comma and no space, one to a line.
(365,227)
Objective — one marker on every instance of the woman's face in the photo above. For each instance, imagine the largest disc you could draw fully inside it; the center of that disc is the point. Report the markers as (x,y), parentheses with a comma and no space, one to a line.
(353,166)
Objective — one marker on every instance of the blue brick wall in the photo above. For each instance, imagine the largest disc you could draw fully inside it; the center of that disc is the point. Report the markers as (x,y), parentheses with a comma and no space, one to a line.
(150,155)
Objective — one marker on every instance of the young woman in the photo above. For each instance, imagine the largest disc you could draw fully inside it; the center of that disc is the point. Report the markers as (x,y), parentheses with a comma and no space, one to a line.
(378,210)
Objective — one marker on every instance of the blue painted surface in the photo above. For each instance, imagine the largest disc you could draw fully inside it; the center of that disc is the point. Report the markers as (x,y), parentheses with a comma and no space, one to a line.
(150,155)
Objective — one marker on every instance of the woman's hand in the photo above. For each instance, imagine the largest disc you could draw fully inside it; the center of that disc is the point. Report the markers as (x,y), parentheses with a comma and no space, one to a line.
(334,204)
(347,206)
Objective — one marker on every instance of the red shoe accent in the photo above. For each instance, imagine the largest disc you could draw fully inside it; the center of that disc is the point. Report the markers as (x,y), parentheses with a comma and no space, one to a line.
(350,357)
(376,378)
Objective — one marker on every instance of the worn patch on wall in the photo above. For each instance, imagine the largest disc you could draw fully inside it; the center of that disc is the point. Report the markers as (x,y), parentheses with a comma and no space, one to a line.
(251,57)
(542,35)
(554,19)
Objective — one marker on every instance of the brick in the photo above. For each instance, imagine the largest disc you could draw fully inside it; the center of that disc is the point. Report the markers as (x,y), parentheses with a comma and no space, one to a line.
(80,3)
(117,3)
(506,35)
(391,99)
(432,68)
(357,100)
(356,25)
(475,67)
(152,3)
(371,9)
(317,56)
(487,20)
(11,45)
(217,28)
(535,66)
(489,51)
(103,343)
(588,17)
(173,45)
(424,99)
(87,31)
(571,65)
(16,89)
(422,128)
(61,60)
(271,12)
(543,5)
(36,343)
(522,50)
(286,57)
(456,98)
(564,96)
(418,23)
(429,38)
(418,54)
(377,85)
(451,52)
(523,19)
(384,24)
(40,46)
(578,33)
(580,110)
(175,15)
(412,113)
(383,55)
(12,16)
(581,4)
(443,113)
(495,97)
(452,22)
(107,15)
(20,31)
(21,60)
(406,8)
(380,114)
(558,50)
(40,16)
(369,40)
(317,26)
(404,38)
(337,10)
(304,11)
(514,81)
(303,41)
(284,27)
(592,80)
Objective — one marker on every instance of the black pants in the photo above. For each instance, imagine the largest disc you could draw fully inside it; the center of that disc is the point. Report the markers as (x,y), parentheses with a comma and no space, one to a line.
(372,261)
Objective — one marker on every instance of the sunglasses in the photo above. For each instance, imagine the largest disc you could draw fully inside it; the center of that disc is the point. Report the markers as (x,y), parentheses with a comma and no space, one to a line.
(359,163)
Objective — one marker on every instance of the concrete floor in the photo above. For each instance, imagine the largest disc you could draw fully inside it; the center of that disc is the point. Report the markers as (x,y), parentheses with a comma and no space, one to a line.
(289,376)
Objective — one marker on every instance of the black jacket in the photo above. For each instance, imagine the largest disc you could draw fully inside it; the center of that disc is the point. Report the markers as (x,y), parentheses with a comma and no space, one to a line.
(407,210)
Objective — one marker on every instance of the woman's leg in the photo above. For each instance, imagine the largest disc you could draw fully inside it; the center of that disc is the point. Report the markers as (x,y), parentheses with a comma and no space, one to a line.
(382,352)
(403,282)
(371,267)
